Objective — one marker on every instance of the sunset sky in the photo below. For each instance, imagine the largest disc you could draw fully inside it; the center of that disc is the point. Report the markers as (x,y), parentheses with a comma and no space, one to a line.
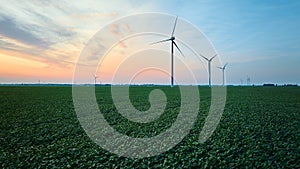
(41,40)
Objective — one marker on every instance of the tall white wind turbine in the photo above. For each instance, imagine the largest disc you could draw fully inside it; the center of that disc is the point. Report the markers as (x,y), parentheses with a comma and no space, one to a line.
(223,70)
(209,67)
(173,43)
(95,78)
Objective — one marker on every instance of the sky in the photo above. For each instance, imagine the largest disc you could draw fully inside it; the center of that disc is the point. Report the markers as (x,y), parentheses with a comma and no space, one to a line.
(40,41)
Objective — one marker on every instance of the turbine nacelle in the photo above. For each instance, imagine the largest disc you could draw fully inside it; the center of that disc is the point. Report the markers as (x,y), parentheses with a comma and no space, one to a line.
(172,38)
(223,68)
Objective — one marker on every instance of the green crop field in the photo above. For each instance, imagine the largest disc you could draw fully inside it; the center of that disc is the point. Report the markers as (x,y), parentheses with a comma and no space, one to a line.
(260,127)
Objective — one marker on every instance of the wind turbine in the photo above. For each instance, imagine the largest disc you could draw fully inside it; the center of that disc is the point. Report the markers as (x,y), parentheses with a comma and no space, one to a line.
(172,39)
(209,67)
(248,80)
(223,69)
(95,78)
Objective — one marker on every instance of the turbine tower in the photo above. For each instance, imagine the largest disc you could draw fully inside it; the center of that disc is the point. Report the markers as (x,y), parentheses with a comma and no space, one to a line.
(95,78)
(223,70)
(248,80)
(209,67)
(173,43)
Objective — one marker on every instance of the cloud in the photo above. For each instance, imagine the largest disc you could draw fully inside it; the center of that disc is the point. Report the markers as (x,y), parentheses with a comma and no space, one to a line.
(33,34)
(50,32)
(120,31)
(10,29)
(53,56)
(30,24)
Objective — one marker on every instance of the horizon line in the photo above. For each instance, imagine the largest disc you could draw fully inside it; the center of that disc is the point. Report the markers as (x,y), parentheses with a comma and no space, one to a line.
(145,84)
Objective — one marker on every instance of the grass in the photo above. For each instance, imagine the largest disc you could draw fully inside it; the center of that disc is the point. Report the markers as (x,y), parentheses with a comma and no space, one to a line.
(259,128)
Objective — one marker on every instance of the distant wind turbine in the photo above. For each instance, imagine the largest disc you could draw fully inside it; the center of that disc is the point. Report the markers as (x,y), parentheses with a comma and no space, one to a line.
(172,39)
(223,70)
(209,67)
(95,78)
(248,80)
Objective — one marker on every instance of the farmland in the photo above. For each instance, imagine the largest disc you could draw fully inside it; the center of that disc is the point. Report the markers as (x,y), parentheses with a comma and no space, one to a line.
(259,128)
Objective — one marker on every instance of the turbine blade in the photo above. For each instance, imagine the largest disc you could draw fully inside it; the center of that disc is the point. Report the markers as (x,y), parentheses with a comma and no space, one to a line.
(212,57)
(204,57)
(225,65)
(174,26)
(178,48)
(160,41)
(219,67)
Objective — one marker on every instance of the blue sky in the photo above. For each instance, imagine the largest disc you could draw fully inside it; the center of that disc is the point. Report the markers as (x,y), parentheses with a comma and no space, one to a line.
(259,39)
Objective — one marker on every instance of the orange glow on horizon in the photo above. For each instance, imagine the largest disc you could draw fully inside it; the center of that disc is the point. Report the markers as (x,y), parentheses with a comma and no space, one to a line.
(15,65)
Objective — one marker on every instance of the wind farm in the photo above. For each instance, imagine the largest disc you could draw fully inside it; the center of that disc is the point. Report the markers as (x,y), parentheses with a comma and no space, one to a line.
(99,84)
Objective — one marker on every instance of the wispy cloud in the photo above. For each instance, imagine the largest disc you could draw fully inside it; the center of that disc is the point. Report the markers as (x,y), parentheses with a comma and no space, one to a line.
(10,28)
(53,31)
